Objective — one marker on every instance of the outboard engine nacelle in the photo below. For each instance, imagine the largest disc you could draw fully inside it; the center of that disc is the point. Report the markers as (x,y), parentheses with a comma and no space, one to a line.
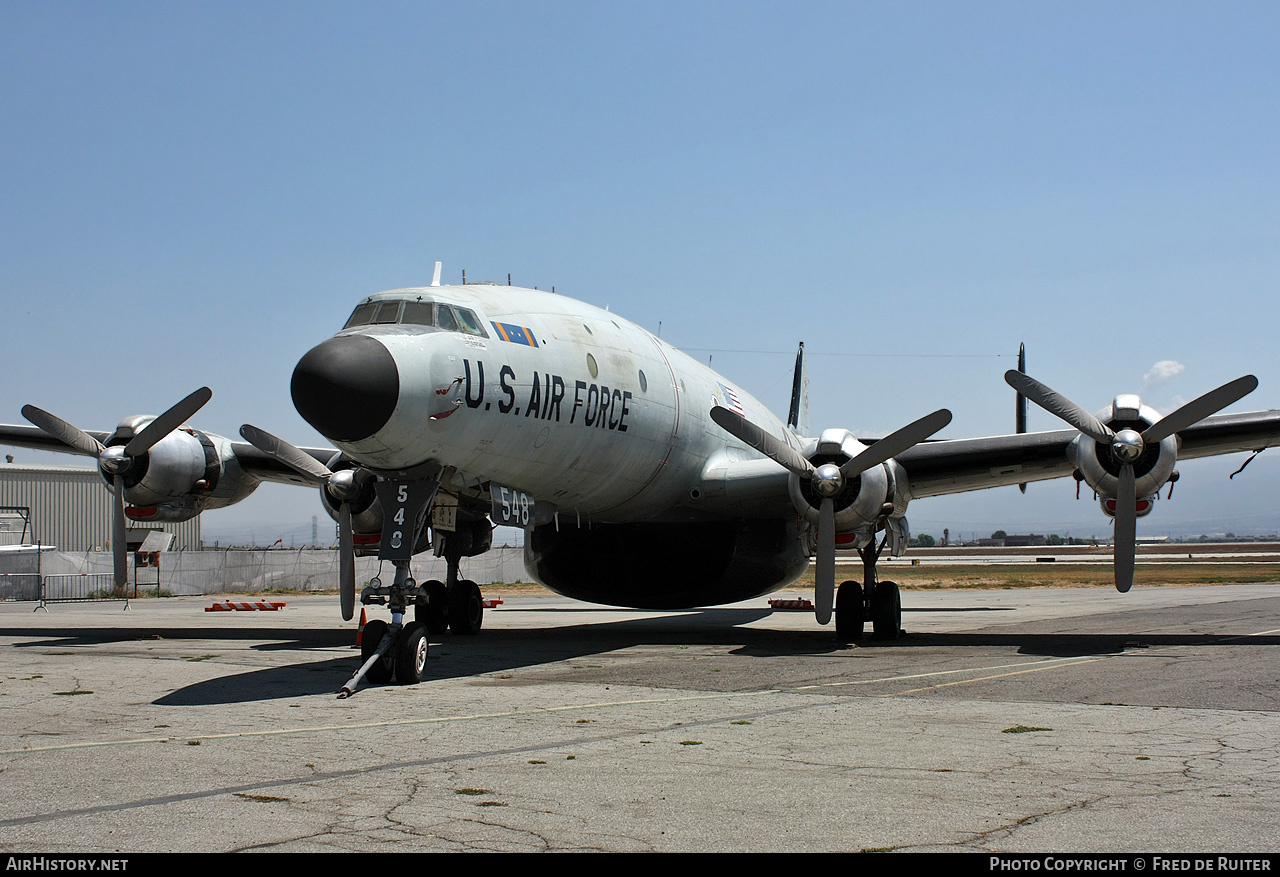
(182,474)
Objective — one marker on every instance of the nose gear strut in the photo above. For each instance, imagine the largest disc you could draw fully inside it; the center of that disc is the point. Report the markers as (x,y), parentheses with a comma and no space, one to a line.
(398,649)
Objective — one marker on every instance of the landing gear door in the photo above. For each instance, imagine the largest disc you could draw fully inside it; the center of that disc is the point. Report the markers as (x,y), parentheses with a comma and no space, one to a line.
(403,506)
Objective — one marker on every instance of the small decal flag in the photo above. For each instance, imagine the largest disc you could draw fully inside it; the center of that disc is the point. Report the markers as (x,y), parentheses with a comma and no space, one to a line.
(731,400)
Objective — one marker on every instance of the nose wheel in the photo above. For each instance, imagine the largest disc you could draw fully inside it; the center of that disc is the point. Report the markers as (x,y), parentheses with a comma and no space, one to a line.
(390,651)
(411,654)
(379,673)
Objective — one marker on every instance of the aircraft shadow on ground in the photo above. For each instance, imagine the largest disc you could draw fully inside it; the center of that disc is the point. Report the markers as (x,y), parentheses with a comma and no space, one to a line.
(282,638)
(499,650)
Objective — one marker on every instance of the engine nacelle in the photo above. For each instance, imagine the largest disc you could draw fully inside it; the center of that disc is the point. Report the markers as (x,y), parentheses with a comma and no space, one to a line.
(860,503)
(183,474)
(1100,468)
(366,513)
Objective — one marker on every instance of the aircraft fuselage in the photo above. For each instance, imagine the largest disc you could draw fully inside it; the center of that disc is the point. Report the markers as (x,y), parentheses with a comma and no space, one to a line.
(576,406)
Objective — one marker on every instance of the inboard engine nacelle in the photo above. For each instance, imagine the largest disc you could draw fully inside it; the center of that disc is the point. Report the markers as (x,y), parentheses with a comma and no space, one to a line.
(1099,464)
(860,503)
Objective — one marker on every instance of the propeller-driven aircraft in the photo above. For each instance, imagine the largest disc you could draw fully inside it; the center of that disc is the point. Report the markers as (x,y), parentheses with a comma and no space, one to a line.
(641,477)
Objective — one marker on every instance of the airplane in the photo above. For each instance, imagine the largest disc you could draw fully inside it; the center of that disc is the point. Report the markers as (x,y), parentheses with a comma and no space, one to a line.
(641,477)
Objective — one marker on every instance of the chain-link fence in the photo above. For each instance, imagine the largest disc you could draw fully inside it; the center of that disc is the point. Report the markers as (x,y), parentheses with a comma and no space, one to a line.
(233,570)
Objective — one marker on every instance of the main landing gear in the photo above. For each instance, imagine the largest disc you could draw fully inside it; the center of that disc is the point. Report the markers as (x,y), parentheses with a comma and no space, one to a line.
(399,651)
(879,602)
(455,606)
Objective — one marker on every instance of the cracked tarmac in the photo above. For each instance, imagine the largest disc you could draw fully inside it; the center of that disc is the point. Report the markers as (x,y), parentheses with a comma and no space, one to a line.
(1054,720)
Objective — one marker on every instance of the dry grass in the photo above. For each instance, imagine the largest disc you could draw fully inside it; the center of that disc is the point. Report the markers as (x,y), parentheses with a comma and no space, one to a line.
(978,576)
(1058,575)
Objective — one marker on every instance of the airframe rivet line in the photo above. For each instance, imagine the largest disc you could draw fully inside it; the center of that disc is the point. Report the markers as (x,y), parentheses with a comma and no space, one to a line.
(988,678)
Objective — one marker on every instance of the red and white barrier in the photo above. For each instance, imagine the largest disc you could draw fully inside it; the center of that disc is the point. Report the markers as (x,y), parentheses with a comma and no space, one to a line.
(791,604)
(244,606)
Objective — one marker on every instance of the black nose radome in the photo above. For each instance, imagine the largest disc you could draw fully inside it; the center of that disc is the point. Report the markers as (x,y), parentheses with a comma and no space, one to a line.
(346,387)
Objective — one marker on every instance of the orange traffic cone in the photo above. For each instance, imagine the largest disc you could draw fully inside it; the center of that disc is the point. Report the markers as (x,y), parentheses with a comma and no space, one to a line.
(360,631)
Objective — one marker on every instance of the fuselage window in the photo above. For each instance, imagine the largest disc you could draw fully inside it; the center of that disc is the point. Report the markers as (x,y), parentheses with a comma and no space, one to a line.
(360,316)
(470,324)
(419,313)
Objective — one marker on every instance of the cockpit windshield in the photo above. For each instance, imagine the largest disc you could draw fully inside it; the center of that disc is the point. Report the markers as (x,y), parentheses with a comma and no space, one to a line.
(450,318)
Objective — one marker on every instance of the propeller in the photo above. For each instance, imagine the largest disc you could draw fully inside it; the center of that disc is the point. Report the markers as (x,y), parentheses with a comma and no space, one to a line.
(116,461)
(828,480)
(343,485)
(1127,446)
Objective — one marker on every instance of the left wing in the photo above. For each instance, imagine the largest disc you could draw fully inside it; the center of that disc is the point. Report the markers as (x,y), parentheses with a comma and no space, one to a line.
(1126,454)
(943,467)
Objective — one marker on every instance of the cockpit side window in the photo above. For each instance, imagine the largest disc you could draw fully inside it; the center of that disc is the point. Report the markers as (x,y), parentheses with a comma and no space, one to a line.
(445,319)
(360,316)
(418,313)
(470,324)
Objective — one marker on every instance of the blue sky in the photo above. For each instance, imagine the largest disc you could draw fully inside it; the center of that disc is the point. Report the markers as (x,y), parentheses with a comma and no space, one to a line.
(197,193)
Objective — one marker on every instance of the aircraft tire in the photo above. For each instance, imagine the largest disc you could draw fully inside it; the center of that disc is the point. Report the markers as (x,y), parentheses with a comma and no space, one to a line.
(379,673)
(411,653)
(466,612)
(886,611)
(849,617)
(435,613)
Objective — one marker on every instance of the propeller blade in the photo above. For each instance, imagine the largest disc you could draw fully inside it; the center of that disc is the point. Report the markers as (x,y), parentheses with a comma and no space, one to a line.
(346,562)
(778,451)
(1198,409)
(1126,530)
(291,456)
(1058,405)
(824,576)
(896,442)
(72,436)
(119,550)
(167,422)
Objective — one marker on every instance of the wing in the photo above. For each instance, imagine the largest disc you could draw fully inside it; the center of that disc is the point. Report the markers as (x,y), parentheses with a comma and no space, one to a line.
(943,467)
(253,462)
(37,439)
